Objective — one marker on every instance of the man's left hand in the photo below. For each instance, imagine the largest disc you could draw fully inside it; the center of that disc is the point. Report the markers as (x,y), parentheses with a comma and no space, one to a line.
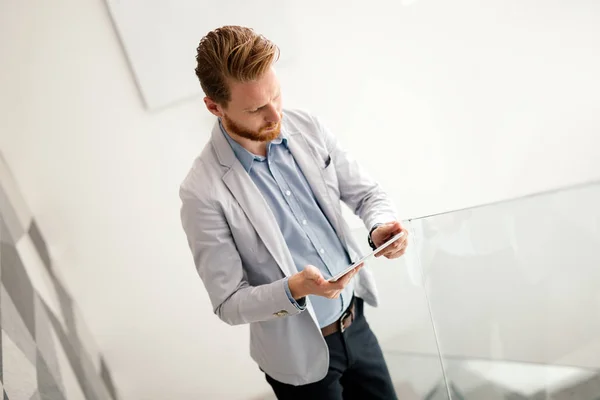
(385,232)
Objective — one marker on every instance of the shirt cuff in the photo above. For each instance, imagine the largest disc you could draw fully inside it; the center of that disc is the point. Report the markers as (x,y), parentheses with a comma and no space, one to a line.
(301,303)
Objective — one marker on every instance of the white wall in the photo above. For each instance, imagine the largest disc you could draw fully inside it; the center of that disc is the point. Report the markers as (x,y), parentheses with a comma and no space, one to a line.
(101,174)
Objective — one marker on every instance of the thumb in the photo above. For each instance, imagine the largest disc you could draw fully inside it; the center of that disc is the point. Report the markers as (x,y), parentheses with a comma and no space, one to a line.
(393,226)
(396,225)
(312,273)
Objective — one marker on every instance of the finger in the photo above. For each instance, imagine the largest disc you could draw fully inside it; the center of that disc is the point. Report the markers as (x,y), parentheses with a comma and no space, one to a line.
(343,281)
(355,269)
(381,253)
(397,250)
(396,245)
(394,225)
(389,230)
(401,243)
(353,273)
(390,249)
(396,228)
(397,254)
(358,267)
(384,230)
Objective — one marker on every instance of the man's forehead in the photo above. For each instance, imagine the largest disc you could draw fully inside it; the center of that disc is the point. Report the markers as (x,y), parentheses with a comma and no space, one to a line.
(250,99)
(253,94)
(248,93)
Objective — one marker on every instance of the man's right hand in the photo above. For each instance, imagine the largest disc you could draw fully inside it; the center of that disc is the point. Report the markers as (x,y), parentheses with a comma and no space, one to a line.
(311,281)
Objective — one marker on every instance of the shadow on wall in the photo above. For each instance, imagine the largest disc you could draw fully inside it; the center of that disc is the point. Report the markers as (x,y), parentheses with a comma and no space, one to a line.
(46,351)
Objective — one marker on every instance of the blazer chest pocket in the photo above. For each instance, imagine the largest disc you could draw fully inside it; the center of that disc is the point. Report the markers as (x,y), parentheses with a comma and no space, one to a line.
(330,174)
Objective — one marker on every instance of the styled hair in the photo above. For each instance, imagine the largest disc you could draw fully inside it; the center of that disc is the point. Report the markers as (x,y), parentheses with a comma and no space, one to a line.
(232,53)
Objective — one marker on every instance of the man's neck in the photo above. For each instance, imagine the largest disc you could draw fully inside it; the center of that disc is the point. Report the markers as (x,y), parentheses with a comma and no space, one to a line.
(254,147)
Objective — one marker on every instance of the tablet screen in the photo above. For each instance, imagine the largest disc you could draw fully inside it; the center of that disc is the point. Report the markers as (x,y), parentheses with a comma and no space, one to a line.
(377,250)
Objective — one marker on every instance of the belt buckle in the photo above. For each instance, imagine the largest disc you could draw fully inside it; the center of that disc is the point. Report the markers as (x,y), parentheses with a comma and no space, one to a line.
(341,321)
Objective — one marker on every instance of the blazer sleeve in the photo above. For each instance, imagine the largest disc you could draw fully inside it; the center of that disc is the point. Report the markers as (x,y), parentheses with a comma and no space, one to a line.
(358,190)
(219,265)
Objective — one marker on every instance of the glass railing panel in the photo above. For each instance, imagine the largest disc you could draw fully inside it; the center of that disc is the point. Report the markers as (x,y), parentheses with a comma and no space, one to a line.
(402,324)
(514,294)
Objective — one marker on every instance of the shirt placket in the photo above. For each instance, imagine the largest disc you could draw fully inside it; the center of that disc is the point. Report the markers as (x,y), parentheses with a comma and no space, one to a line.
(297,210)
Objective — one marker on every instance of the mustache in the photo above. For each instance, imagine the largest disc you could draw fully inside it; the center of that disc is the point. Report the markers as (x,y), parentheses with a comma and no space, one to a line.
(262,134)
(269,127)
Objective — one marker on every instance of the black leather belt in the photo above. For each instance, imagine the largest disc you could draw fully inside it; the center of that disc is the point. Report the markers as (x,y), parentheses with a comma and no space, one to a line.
(343,322)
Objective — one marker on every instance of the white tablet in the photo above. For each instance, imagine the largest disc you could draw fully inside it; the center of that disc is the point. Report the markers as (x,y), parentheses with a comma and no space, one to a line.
(377,250)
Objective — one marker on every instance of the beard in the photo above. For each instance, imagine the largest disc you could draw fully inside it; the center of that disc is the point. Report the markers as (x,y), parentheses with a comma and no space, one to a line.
(264,134)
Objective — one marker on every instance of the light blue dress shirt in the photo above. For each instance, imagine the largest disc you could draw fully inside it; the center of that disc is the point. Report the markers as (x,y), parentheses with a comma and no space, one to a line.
(308,233)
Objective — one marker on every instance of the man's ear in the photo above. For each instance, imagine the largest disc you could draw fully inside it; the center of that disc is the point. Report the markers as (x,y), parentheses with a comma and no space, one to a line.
(214,108)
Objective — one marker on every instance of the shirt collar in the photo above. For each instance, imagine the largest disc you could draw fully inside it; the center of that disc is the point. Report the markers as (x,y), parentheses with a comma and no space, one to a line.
(245,157)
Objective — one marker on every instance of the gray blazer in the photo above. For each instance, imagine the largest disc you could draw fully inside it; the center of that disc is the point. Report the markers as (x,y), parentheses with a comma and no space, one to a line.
(241,255)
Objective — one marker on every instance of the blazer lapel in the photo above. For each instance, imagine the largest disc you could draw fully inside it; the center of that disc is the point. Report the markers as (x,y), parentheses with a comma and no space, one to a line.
(252,202)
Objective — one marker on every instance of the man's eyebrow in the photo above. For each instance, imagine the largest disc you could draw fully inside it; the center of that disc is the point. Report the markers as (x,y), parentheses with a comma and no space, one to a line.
(256,108)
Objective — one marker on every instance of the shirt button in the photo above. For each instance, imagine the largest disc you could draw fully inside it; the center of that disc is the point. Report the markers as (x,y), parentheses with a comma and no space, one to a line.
(287,193)
(304,222)
(322,251)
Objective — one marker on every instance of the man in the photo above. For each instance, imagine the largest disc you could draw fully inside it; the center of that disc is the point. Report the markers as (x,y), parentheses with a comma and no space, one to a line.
(262,214)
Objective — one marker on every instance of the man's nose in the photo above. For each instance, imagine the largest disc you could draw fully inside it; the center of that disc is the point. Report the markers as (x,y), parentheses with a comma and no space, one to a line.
(272,114)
